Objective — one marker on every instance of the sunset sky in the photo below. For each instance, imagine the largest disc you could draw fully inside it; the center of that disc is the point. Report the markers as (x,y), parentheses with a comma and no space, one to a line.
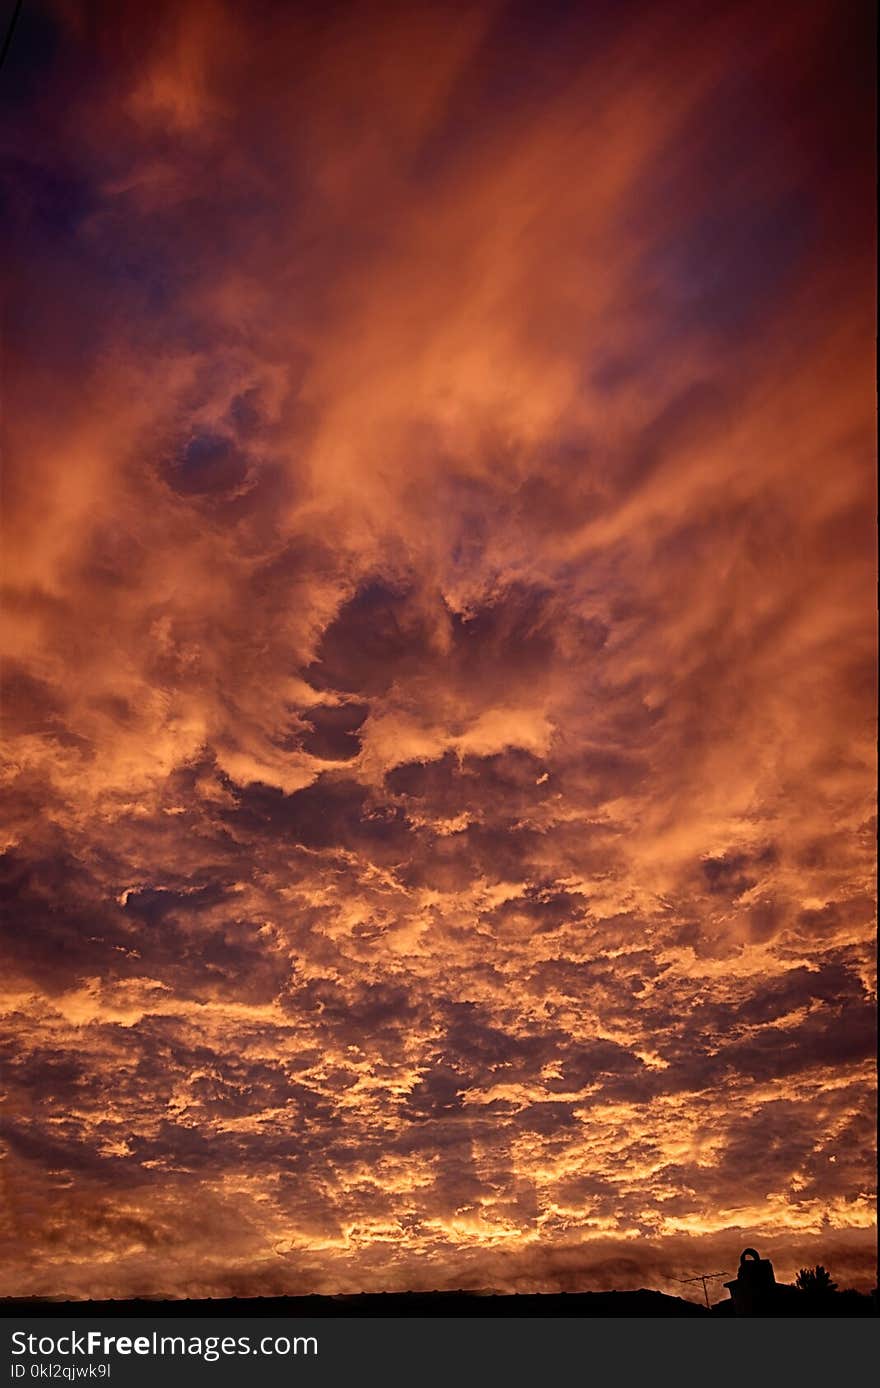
(439,645)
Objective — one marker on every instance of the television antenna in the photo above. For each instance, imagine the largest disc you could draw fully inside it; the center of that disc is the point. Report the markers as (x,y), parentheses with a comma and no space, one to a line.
(705,1278)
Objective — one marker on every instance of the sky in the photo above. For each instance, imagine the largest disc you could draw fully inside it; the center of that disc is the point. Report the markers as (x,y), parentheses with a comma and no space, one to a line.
(439,645)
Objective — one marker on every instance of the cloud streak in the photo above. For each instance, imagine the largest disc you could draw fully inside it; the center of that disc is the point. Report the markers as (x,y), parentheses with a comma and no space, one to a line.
(440,647)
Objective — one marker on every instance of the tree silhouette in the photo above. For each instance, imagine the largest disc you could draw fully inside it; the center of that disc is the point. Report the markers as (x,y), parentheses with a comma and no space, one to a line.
(815,1281)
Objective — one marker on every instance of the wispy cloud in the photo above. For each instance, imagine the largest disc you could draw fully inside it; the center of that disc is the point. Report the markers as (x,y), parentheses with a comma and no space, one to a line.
(440,636)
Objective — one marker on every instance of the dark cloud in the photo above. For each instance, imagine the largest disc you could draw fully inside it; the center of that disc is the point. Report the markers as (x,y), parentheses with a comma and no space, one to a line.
(439,675)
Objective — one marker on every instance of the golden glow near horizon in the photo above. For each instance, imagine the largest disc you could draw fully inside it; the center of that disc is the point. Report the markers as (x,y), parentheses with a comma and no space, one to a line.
(439,647)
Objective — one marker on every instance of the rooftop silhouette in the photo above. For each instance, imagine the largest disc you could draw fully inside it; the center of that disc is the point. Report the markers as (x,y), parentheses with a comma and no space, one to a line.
(753,1292)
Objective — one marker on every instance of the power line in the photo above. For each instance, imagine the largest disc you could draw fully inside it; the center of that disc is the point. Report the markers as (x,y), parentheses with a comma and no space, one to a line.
(10,31)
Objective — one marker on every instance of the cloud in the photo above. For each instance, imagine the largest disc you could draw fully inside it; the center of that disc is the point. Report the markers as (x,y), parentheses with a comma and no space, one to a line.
(439,647)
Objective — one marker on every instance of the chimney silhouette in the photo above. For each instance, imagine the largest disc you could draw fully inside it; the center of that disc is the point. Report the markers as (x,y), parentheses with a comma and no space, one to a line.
(752,1290)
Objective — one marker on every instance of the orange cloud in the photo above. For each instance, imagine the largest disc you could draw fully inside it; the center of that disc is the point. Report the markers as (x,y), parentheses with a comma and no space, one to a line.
(439,648)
